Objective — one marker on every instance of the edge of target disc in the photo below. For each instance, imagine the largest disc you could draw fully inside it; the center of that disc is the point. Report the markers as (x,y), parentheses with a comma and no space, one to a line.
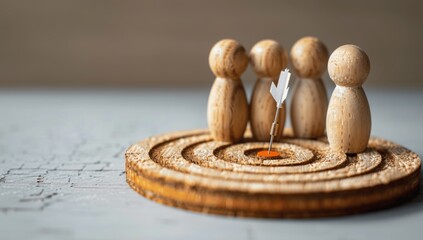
(183,191)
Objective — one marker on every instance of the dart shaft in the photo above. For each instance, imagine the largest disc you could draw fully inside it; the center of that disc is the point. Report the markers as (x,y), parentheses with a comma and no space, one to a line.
(270,144)
(274,129)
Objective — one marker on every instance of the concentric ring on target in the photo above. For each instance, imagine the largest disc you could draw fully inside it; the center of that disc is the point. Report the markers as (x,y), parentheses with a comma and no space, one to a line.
(246,153)
(180,170)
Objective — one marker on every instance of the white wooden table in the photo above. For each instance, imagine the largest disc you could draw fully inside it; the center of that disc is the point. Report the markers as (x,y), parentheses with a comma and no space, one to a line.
(62,169)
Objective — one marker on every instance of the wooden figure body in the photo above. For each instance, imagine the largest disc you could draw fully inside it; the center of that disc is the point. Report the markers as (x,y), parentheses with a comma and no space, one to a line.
(268,58)
(309,58)
(227,110)
(348,117)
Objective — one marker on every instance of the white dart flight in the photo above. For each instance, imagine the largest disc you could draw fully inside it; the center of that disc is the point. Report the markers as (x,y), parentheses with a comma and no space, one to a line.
(279,93)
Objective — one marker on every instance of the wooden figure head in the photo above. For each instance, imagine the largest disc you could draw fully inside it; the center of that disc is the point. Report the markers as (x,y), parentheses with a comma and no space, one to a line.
(349,66)
(268,58)
(309,57)
(228,59)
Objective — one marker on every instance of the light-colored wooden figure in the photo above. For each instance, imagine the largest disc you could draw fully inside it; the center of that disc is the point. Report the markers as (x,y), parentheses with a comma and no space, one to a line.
(227,110)
(348,118)
(268,59)
(309,57)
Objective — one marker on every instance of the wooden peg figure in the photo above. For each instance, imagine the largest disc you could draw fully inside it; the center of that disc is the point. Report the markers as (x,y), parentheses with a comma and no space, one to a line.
(268,59)
(309,58)
(348,118)
(227,111)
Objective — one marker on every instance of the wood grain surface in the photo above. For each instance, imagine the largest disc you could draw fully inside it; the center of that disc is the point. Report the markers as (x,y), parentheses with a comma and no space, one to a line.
(309,57)
(190,171)
(268,58)
(348,119)
(227,108)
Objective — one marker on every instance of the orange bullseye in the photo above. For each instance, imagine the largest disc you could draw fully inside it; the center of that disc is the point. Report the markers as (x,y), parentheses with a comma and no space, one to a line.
(267,154)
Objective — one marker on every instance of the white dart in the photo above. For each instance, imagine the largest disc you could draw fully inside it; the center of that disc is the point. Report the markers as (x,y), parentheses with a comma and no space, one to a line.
(279,93)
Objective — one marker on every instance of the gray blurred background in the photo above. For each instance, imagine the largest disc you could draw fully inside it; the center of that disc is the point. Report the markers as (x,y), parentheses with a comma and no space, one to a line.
(123,43)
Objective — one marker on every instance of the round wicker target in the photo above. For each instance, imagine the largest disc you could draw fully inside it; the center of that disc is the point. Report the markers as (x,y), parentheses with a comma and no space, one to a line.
(191,171)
